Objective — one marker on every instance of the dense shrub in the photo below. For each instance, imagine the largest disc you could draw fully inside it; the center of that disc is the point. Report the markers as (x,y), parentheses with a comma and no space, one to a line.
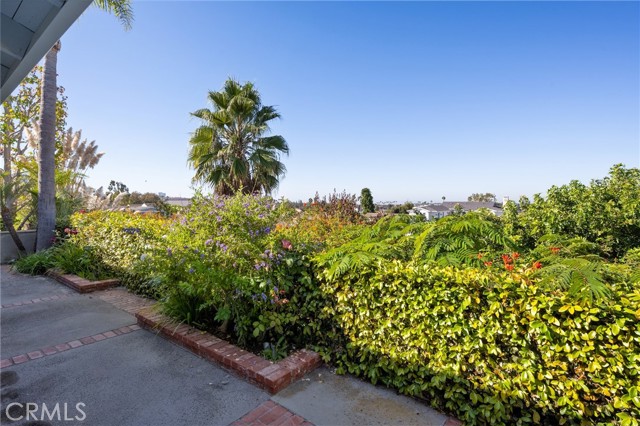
(492,347)
(605,212)
(67,257)
(121,241)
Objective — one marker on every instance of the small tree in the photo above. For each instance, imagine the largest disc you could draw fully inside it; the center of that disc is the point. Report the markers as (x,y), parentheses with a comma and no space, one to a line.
(486,197)
(366,201)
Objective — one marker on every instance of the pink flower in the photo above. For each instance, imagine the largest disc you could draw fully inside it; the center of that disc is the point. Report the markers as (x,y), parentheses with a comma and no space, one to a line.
(286,244)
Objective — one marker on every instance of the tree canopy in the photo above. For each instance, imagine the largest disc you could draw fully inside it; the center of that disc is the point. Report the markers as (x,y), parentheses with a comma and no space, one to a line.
(232,149)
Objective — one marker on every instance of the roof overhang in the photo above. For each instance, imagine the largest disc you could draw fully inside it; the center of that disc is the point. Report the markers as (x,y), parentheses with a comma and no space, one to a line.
(28,29)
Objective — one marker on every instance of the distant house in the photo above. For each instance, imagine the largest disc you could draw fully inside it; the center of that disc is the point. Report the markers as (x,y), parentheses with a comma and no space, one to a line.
(140,208)
(178,201)
(436,211)
(433,211)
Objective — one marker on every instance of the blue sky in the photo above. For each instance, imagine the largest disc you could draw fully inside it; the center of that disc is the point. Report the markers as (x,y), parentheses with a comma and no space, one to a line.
(415,100)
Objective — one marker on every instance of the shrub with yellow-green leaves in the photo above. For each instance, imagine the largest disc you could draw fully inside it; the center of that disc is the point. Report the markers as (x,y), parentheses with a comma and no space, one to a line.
(122,240)
(491,347)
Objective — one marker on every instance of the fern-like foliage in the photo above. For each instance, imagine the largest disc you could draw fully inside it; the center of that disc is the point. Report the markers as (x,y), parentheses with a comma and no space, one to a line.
(581,277)
(573,265)
(457,240)
(390,238)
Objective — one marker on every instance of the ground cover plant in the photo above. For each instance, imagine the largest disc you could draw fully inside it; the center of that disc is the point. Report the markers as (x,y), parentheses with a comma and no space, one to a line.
(525,319)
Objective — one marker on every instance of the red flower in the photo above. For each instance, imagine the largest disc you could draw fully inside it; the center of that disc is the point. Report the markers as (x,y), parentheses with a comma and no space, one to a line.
(555,250)
(487,264)
(83,211)
(286,244)
(67,230)
(509,267)
(506,259)
(479,255)
(515,255)
(537,265)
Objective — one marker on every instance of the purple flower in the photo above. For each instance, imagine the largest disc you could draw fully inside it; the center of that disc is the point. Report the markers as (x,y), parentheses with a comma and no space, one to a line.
(169,252)
(218,218)
(202,256)
(264,297)
(191,270)
(208,242)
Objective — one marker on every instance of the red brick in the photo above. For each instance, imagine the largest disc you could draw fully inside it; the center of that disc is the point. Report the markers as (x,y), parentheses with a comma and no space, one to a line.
(98,337)
(291,365)
(278,380)
(283,420)
(270,404)
(87,340)
(6,363)
(243,362)
(20,359)
(254,369)
(75,343)
(268,370)
(452,422)
(109,334)
(35,354)
(272,415)
(253,415)
(62,347)
(297,420)
(134,327)
(125,330)
(50,350)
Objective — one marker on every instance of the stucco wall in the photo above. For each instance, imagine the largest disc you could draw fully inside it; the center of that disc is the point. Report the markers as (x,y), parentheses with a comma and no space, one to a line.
(9,251)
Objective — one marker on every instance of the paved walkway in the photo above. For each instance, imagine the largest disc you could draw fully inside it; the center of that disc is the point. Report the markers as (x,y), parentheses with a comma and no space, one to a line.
(85,355)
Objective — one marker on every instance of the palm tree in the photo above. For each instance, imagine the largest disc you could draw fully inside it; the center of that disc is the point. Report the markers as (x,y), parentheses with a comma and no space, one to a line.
(122,10)
(46,153)
(231,151)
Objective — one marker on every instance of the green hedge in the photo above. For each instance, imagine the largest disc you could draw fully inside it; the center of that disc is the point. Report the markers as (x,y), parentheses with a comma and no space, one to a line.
(492,348)
(121,240)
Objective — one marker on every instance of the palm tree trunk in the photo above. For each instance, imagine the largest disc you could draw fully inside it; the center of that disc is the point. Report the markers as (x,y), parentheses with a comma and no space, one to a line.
(46,152)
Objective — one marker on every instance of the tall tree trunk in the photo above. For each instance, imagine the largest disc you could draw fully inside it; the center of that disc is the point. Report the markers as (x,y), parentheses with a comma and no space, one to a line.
(46,152)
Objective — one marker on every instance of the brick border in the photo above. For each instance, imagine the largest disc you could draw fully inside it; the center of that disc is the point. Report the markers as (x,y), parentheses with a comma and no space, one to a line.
(32,301)
(79,284)
(51,350)
(270,376)
(271,414)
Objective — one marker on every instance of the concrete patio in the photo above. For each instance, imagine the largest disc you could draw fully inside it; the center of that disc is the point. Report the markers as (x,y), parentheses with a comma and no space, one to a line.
(59,347)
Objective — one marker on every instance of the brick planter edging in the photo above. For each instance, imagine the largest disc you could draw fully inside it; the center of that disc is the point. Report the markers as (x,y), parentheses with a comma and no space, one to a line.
(270,376)
(81,285)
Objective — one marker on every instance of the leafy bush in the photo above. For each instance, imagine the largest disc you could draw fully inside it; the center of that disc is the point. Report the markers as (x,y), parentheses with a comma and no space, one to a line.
(605,212)
(36,263)
(492,347)
(67,257)
(81,261)
(122,241)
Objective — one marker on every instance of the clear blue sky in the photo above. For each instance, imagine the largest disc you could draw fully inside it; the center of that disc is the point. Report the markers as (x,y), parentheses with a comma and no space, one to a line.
(414,100)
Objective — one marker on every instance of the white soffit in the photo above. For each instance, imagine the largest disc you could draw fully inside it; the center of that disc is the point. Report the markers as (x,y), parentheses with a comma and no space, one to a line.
(28,29)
